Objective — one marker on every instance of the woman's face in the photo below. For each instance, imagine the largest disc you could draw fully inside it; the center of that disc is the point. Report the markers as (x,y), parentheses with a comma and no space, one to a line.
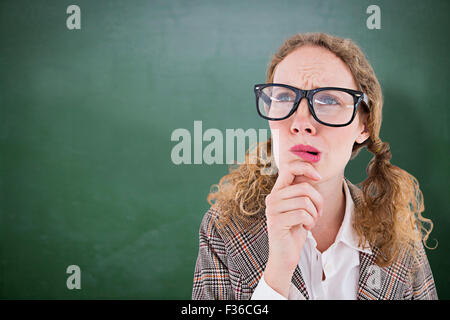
(308,68)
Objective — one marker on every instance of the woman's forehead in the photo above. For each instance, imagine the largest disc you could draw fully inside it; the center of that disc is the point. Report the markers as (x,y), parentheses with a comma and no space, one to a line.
(313,67)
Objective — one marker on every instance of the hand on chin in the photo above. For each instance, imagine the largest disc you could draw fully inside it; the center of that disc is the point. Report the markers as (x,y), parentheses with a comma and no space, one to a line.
(300,179)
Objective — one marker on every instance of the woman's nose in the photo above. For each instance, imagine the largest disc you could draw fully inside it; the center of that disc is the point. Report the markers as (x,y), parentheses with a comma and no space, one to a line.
(302,119)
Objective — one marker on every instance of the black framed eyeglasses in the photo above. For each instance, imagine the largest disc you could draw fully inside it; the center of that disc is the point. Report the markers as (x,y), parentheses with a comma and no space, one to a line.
(330,106)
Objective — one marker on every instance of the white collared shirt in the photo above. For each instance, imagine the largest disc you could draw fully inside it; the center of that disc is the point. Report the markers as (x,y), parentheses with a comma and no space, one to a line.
(340,263)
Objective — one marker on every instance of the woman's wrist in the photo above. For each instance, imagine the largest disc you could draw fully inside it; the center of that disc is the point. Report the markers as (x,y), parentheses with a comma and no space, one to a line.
(278,279)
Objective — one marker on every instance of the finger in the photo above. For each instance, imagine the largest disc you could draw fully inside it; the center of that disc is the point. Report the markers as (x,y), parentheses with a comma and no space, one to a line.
(297,217)
(297,203)
(295,168)
(302,189)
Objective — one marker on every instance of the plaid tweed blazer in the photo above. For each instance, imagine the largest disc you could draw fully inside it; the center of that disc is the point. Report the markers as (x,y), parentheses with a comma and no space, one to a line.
(230,264)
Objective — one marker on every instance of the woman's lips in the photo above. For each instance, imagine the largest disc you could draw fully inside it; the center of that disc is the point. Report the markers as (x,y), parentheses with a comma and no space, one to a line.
(308,153)
(307,156)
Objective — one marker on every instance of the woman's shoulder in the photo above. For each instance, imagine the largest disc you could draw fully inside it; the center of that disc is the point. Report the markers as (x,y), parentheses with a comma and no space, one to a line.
(243,249)
(232,231)
(208,225)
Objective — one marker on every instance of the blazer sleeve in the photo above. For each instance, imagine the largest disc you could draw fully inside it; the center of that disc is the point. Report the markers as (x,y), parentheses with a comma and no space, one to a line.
(423,286)
(211,275)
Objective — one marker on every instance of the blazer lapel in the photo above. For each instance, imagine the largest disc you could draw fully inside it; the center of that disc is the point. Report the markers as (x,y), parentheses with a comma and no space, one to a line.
(377,283)
(368,270)
(299,283)
(369,277)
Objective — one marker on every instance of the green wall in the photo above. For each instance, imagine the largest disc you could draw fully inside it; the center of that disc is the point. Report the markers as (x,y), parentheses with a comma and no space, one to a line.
(86,118)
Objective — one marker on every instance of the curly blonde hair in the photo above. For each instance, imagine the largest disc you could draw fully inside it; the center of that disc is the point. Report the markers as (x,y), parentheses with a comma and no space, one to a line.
(390,218)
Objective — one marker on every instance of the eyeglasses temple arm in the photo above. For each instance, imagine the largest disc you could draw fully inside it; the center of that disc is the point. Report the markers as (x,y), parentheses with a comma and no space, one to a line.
(365,99)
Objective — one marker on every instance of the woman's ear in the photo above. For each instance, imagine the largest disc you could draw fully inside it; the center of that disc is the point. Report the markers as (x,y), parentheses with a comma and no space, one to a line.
(364,133)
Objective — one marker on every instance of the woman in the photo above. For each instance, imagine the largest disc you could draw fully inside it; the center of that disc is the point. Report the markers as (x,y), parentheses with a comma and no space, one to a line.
(306,232)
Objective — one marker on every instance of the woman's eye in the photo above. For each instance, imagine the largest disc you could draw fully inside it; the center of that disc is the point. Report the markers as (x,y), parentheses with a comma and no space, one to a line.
(327,100)
(283,98)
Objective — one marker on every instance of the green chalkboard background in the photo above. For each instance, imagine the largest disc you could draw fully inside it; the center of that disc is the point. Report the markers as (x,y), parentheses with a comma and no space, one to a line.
(86,118)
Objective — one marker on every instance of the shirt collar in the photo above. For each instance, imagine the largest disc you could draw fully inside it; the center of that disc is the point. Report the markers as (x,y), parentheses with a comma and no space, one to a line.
(346,233)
